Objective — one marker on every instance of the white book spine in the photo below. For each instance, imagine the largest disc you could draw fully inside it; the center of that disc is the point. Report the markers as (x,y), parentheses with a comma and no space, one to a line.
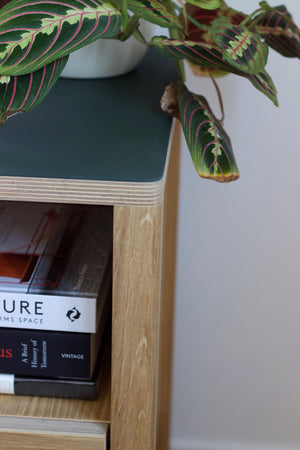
(7,384)
(48,312)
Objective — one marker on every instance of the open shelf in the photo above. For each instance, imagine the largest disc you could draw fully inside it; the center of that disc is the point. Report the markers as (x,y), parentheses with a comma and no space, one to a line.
(18,409)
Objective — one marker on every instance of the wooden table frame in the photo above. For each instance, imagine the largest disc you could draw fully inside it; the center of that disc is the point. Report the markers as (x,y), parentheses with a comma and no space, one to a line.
(141,185)
(142,326)
(143,292)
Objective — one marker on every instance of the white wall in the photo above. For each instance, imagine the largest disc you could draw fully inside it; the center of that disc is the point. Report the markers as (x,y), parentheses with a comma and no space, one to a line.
(237,326)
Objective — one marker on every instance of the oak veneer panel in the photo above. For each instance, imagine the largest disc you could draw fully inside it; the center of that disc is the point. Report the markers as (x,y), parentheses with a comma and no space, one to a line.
(12,441)
(136,286)
(170,214)
(52,435)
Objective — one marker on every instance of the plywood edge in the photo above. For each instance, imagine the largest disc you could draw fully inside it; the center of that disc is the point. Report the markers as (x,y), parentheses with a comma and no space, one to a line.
(61,190)
(53,426)
(80,191)
(45,434)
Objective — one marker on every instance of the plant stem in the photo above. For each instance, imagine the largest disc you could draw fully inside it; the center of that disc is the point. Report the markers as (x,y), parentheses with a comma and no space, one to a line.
(180,70)
(132,27)
(219,97)
(139,37)
(248,18)
(175,34)
(199,25)
(124,11)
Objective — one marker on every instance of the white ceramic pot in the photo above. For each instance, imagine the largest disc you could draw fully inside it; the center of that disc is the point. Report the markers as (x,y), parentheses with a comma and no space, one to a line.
(107,57)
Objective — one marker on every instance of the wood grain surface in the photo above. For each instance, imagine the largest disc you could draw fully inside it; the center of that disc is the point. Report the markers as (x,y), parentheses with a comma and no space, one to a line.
(51,434)
(30,441)
(136,286)
(169,238)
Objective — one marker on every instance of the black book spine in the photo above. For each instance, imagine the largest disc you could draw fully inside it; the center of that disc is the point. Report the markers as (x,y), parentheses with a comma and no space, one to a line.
(44,387)
(45,353)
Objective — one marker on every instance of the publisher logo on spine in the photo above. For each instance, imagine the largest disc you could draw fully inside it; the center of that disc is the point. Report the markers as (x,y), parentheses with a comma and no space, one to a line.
(73,314)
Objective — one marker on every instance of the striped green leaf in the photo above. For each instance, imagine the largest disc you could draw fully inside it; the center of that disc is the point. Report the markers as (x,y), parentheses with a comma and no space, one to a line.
(279,31)
(241,48)
(24,92)
(35,33)
(205,4)
(154,11)
(263,82)
(206,55)
(208,143)
(199,53)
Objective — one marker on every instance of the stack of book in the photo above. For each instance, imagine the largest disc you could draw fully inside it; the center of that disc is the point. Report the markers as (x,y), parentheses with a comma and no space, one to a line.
(55,297)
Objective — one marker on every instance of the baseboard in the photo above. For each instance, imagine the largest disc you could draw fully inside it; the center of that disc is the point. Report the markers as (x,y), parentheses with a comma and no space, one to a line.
(193,445)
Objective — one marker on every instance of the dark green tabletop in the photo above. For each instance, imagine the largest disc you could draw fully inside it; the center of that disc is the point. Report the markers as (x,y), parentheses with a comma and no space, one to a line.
(107,129)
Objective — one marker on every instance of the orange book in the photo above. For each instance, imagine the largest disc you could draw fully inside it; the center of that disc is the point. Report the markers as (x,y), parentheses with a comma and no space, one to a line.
(13,265)
(24,233)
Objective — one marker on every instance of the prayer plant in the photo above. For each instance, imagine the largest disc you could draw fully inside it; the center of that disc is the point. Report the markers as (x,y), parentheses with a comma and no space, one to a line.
(36,37)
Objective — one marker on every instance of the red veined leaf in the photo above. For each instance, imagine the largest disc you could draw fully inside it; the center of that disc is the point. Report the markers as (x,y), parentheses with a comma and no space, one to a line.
(279,31)
(263,82)
(206,17)
(35,33)
(241,48)
(205,55)
(154,11)
(207,141)
(24,92)
(205,4)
